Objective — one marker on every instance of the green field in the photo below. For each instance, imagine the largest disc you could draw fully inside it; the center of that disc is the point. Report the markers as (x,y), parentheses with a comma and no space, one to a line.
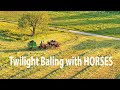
(13,42)
(103,23)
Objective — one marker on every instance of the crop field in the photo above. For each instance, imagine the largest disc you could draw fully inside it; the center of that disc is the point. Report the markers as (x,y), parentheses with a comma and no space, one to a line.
(103,23)
(13,42)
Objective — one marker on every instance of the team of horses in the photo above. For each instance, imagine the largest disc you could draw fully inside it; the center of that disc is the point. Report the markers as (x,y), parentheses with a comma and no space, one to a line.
(50,44)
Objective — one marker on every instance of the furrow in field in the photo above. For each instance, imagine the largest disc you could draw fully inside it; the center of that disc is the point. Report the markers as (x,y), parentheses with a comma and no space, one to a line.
(60,55)
(38,67)
(68,71)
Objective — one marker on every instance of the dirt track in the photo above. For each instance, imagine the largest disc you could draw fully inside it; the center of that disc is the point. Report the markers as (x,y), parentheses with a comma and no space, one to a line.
(84,33)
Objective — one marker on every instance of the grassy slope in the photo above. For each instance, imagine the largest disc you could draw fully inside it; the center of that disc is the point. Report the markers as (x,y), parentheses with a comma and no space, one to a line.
(89,21)
(94,22)
(71,45)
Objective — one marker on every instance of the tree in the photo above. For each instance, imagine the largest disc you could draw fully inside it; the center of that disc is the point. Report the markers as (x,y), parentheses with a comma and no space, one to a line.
(34,20)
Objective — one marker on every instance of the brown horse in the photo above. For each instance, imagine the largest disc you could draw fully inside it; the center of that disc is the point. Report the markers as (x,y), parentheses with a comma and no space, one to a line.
(49,44)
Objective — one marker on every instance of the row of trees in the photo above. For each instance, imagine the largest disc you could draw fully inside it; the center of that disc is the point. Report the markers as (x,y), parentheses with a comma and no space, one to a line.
(34,20)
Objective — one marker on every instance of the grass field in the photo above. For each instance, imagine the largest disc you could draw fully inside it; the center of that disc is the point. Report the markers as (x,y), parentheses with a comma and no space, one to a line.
(13,42)
(103,23)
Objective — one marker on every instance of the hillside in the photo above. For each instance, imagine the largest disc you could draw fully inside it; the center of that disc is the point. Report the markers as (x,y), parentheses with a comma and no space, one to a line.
(13,42)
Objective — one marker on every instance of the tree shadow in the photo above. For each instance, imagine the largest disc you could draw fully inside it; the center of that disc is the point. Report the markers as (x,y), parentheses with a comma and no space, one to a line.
(93,44)
(6,35)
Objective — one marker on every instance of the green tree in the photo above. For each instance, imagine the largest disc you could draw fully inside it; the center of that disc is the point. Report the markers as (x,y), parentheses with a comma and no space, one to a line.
(34,20)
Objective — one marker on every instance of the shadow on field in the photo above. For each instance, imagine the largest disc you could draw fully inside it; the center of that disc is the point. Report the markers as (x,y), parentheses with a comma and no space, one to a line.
(108,31)
(85,45)
(19,50)
(86,22)
(10,36)
(118,76)
(93,44)
(82,15)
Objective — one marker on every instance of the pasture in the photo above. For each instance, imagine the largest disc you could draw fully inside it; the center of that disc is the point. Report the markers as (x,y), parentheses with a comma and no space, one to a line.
(13,42)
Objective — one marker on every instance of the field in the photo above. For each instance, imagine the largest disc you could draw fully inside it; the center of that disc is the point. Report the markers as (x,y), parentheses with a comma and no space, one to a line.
(13,42)
(103,23)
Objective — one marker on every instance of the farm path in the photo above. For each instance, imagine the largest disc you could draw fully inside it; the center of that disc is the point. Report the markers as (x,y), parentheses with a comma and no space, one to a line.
(85,33)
